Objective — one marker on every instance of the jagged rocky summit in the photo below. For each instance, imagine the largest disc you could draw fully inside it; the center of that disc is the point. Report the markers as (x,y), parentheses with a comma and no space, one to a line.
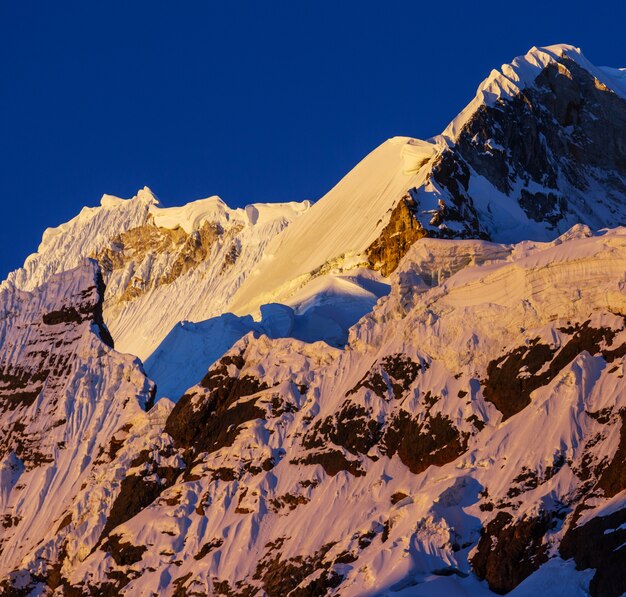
(413,386)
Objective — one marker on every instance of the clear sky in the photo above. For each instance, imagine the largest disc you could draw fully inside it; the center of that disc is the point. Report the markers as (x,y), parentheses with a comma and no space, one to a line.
(252,101)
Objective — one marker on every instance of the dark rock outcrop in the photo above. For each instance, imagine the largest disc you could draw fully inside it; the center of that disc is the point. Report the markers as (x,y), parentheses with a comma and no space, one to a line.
(209,421)
(436,441)
(512,377)
(510,551)
(600,544)
(393,376)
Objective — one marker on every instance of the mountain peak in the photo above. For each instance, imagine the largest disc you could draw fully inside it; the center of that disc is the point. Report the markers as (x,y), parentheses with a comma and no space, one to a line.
(508,81)
(144,195)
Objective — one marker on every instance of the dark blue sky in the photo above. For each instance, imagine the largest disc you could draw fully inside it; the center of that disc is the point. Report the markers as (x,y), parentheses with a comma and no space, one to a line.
(253,101)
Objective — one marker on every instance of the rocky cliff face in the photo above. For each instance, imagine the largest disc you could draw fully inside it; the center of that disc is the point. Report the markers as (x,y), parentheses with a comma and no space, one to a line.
(555,149)
(141,244)
(396,238)
(524,164)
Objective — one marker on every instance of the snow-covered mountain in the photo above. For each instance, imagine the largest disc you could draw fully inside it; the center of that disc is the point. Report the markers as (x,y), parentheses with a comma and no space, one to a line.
(413,386)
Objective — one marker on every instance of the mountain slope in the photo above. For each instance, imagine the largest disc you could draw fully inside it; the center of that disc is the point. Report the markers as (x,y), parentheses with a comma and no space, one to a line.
(413,386)
(542,146)
(65,393)
(341,225)
(401,459)
(539,149)
(218,248)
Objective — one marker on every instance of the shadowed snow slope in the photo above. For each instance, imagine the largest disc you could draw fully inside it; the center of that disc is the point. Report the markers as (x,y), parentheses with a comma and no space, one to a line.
(325,312)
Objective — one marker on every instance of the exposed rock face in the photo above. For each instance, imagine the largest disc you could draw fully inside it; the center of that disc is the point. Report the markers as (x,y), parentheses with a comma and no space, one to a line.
(397,236)
(41,335)
(139,246)
(455,216)
(392,377)
(211,421)
(508,384)
(562,134)
(553,153)
(420,445)
(139,489)
(351,428)
(600,543)
(508,551)
(613,478)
